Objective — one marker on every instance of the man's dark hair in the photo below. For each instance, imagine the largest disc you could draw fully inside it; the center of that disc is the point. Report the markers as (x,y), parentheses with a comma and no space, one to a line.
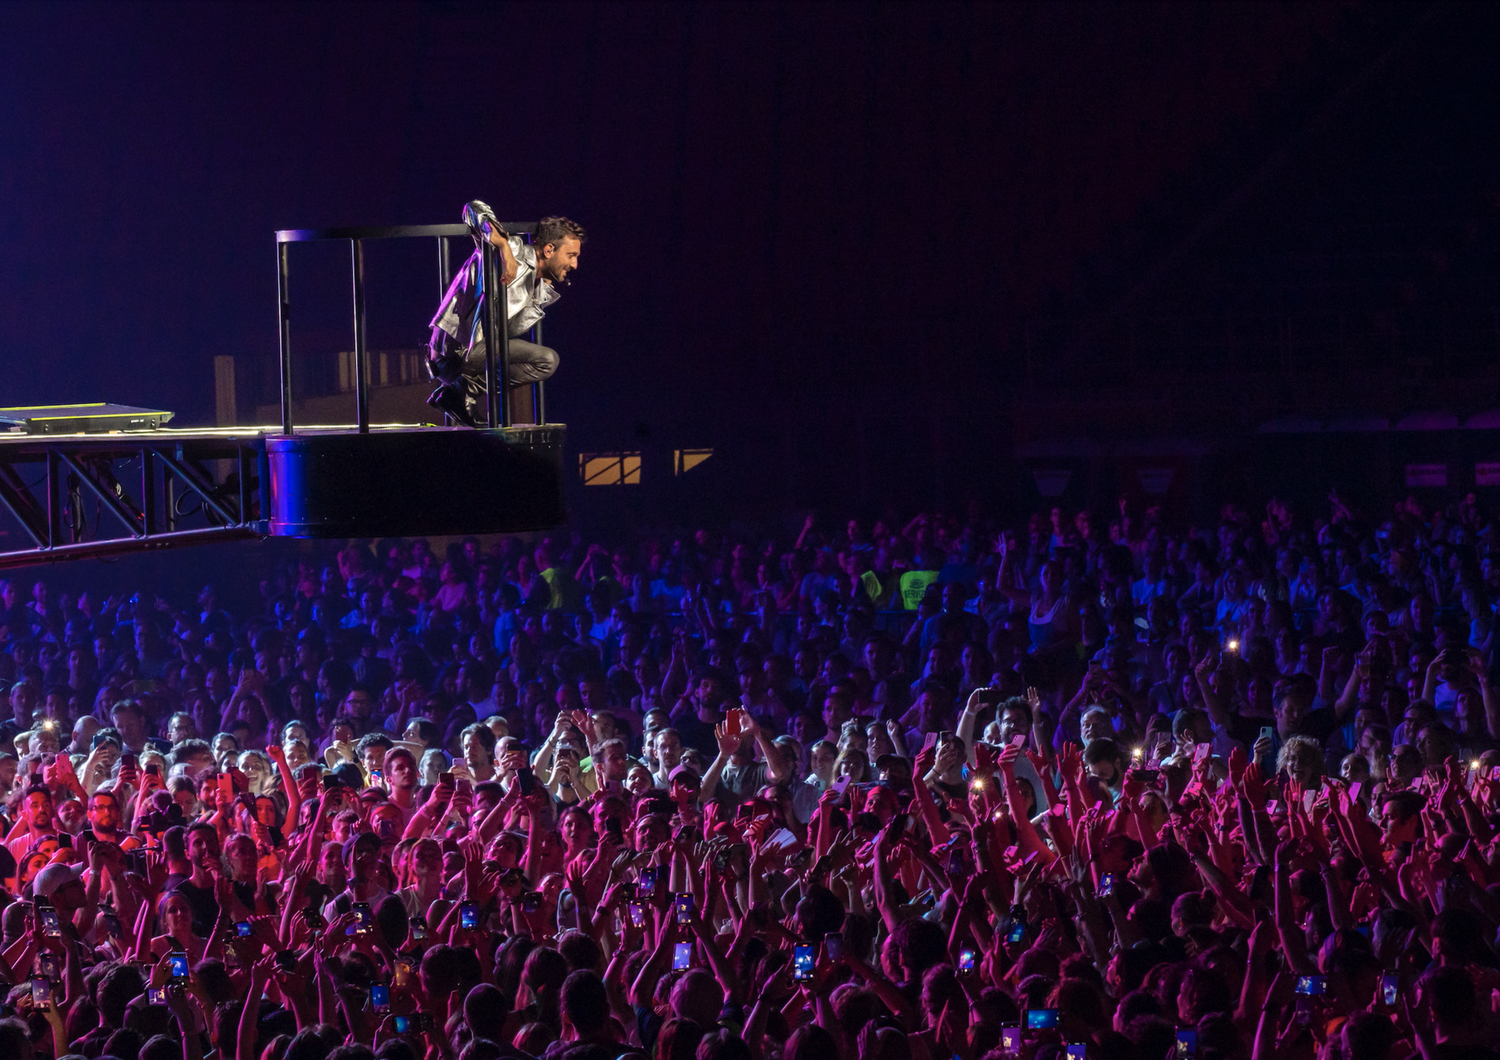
(921,944)
(485,1011)
(1450,992)
(374,739)
(554,230)
(116,990)
(15,1039)
(185,749)
(585,1001)
(483,733)
(579,950)
(1368,1036)
(1015,703)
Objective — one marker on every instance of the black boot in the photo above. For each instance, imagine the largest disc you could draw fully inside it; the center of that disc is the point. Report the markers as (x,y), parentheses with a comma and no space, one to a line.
(449,399)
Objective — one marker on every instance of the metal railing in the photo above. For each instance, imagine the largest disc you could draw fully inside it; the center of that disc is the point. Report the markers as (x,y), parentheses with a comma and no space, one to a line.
(497,353)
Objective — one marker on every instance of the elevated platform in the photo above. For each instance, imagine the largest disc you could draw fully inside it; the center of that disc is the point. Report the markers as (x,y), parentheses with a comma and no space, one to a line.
(86,495)
(160,487)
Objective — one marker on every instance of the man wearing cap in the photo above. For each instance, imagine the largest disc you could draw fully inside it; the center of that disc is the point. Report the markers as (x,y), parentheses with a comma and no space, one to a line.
(38,822)
(63,884)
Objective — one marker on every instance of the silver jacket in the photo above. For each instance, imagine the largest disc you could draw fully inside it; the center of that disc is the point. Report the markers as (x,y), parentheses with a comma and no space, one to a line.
(459,322)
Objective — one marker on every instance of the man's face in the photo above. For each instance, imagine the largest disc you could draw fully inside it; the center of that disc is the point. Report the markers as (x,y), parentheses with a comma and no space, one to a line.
(400,772)
(331,867)
(374,756)
(1289,716)
(182,728)
(358,704)
(474,751)
(556,261)
(103,813)
(1012,724)
(668,750)
(203,849)
(615,764)
(362,860)
(126,720)
(39,810)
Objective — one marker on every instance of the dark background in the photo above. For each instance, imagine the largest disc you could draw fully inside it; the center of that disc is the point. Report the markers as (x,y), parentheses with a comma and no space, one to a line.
(870,254)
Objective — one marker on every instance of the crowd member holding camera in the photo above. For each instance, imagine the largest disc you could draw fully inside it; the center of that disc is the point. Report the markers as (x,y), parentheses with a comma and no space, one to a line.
(1112,794)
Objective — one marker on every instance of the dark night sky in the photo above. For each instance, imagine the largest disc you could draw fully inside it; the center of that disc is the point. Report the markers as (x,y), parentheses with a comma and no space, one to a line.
(820,210)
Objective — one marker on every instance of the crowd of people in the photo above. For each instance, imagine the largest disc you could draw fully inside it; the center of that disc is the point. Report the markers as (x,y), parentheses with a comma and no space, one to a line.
(1094,788)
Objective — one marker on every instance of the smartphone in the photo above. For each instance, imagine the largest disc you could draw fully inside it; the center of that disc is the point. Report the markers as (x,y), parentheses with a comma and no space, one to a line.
(226,788)
(802,962)
(612,826)
(417,929)
(445,777)
(377,776)
(287,960)
(965,962)
(682,902)
(315,920)
(733,724)
(1390,989)
(526,780)
(177,961)
(243,929)
(1187,1044)
(646,883)
(413,1024)
(330,782)
(156,995)
(1010,1041)
(1106,885)
(153,770)
(1078,1051)
(1041,1019)
(1017,934)
(51,924)
(41,992)
(1268,732)
(46,965)
(957,866)
(1312,985)
(1149,776)
(363,919)
(833,946)
(380,998)
(638,914)
(468,915)
(531,901)
(682,956)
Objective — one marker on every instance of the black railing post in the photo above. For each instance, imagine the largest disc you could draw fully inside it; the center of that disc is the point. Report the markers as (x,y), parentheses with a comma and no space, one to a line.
(284,322)
(445,270)
(497,340)
(538,393)
(361,355)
